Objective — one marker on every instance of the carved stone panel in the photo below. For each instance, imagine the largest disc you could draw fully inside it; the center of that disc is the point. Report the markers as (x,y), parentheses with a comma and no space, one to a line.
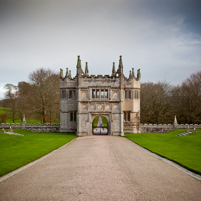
(115,107)
(107,107)
(84,95)
(92,106)
(99,107)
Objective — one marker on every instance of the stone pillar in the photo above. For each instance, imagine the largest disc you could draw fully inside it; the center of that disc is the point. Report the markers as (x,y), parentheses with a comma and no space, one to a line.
(175,124)
(23,122)
(10,130)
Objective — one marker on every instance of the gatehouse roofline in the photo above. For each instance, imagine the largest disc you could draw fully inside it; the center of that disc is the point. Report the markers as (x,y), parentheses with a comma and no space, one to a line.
(85,74)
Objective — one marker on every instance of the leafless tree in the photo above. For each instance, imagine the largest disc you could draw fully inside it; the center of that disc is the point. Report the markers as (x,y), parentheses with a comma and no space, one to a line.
(12,96)
(155,102)
(45,93)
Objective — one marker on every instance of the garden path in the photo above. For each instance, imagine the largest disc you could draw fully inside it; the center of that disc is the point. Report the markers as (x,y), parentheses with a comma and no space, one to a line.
(101,168)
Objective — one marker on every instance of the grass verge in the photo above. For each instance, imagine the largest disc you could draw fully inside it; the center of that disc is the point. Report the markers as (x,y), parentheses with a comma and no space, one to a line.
(17,151)
(184,150)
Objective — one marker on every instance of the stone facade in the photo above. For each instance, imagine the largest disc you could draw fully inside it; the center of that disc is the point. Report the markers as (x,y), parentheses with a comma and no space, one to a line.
(115,97)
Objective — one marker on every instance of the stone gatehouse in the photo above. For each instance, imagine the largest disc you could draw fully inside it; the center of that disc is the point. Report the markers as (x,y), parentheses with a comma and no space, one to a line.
(115,97)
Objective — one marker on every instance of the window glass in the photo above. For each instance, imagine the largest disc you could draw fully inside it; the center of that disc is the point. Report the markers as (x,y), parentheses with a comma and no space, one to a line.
(93,93)
(136,94)
(128,116)
(97,93)
(74,116)
(71,116)
(125,94)
(72,94)
(106,93)
(102,93)
(124,116)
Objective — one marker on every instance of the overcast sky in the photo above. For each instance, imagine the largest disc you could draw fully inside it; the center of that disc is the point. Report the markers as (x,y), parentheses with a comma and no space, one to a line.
(161,37)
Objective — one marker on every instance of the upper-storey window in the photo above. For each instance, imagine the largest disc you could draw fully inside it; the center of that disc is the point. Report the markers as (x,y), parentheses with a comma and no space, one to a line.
(128,94)
(63,94)
(136,94)
(100,93)
(71,93)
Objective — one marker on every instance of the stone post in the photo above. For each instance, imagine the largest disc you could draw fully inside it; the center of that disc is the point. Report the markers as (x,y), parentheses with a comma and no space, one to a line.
(175,124)
(23,122)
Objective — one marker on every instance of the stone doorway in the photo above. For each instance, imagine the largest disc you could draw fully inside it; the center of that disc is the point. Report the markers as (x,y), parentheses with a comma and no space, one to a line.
(100,126)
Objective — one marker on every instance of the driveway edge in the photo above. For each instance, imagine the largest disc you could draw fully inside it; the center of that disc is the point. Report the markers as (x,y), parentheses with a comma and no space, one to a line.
(14,172)
(188,172)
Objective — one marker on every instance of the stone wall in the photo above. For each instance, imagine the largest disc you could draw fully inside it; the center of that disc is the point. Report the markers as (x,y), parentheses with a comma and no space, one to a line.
(42,128)
(144,128)
(164,128)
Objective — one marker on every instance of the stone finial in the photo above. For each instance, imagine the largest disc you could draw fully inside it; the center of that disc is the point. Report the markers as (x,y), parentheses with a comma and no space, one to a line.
(130,75)
(113,69)
(138,74)
(3,131)
(66,72)
(79,66)
(133,74)
(78,62)
(61,73)
(120,65)
(69,75)
(86,69)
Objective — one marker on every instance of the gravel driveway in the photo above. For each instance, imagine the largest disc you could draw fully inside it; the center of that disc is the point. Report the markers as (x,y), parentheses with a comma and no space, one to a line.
(100,168)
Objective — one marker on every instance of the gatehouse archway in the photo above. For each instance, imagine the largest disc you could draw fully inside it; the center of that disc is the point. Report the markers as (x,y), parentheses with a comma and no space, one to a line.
(100,125)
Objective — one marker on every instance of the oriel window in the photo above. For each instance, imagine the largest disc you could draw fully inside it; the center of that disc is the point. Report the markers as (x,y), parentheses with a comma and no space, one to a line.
(100,93)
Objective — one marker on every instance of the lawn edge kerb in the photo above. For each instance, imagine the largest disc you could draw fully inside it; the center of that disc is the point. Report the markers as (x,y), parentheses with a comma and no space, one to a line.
(162,156)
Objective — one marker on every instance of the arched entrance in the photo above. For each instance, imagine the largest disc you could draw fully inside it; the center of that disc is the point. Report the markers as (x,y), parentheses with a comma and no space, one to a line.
(100,126)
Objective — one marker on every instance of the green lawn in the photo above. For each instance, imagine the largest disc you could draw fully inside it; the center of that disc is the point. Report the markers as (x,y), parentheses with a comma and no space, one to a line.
(16,151)
(184,150)
(4,110)
(104,120)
